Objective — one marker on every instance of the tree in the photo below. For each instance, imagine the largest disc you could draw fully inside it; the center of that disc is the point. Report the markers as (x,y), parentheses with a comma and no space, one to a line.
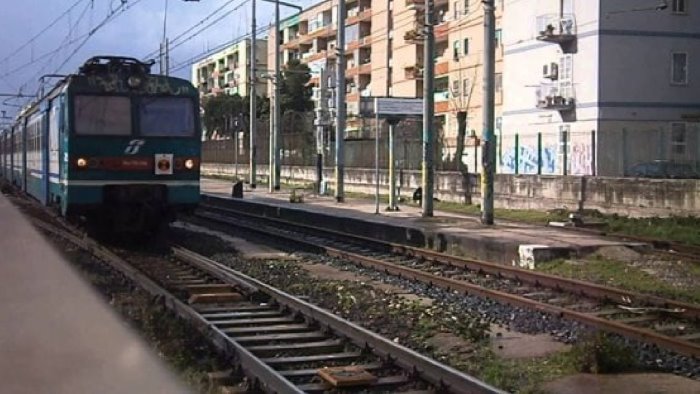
(461,107)
(219,109)
(295,92)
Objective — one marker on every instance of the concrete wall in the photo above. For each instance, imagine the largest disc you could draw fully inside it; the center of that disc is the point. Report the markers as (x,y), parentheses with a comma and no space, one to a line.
(625,196)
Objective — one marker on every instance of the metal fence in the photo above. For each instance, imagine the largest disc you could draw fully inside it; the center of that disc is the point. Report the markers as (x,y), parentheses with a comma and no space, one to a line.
(656,152)
(615,151)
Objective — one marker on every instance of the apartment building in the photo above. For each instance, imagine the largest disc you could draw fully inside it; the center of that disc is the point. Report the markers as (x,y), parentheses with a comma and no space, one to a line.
(228,71)
(595,87)
(384,50)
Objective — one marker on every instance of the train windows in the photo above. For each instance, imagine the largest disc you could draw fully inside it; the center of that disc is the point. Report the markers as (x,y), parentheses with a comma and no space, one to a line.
(102,115)
(167,117)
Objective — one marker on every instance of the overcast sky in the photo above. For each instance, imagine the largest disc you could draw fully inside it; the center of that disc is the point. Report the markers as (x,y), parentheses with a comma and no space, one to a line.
(135,32)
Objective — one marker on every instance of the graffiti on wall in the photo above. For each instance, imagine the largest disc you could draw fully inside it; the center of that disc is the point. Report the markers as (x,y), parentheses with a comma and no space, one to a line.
(113,83)
(528,160)
(581,159)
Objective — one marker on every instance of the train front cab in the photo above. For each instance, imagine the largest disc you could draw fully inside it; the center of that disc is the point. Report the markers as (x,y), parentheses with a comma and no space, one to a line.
(141,166)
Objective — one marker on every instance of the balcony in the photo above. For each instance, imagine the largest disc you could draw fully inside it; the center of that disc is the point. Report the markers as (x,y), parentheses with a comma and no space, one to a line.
(317,29)
(292,43)
(355,16)
(556,28)
(557,97)
(312,57)
(442,68)
(414,71)
(442,31)
(414,36)
(365,69)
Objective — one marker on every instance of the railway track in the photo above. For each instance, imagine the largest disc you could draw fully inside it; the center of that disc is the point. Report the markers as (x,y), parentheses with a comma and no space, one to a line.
(281,343)
(666,323)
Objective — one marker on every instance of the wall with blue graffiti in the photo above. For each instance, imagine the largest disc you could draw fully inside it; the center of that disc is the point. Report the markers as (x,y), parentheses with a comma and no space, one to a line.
(528,160)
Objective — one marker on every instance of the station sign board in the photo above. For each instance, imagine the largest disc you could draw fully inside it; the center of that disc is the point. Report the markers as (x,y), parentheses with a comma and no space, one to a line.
(391,106)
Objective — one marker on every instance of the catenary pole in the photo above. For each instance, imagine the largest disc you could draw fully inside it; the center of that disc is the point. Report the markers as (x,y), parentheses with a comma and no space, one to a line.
(252,95)
(428,110)
(340,106)
(488,147)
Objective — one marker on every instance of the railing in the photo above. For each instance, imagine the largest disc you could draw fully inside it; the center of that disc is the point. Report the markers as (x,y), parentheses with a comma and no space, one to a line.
(318,25)
(556,96)
(556,27)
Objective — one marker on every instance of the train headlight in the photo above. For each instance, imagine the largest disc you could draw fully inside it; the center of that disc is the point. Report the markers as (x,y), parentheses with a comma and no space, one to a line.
(189,164)
(82,163)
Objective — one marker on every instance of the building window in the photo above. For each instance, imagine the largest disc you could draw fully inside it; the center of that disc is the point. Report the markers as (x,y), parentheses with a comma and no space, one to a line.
(679,68)
(455,88)
(678,138)
(466,46)
(467,87)
(498,37)
(679,7)
(460,11)
(455,50)
(498,82)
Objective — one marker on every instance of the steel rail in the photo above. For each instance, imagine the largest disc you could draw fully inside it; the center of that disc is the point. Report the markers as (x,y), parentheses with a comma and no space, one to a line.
(648,336)
(430,370)
(440,375)
(269,379)
(575,286)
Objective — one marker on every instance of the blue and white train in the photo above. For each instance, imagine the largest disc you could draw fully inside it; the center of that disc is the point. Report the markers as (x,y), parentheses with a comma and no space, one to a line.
(113,144)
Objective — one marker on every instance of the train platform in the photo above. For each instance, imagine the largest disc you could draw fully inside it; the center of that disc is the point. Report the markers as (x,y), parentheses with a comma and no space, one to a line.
(56,334)
(505,242)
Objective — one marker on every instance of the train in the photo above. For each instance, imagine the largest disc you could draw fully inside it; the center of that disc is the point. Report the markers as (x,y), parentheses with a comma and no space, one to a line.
(113,146)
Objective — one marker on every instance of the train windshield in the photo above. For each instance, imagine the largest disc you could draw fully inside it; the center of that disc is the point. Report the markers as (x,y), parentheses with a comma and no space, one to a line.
(102,115)
(167,117)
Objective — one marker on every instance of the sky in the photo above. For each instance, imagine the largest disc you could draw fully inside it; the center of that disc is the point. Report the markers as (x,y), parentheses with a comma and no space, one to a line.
(135,29)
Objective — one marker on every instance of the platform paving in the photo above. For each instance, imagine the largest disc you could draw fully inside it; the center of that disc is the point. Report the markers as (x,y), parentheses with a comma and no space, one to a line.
(57,335)
(505,242)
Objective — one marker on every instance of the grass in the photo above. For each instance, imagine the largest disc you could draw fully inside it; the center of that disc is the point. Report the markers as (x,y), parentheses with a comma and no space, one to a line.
(622,275)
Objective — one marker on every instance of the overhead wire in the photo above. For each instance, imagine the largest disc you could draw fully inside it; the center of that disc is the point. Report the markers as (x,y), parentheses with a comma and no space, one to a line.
(114,14)
(200,22)
(44,30)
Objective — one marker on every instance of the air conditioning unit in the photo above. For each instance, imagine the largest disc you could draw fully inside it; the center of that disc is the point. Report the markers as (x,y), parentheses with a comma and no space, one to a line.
(550,71)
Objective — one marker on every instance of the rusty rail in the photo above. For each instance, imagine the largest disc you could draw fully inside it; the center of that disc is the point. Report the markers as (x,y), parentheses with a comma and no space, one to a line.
(578,287)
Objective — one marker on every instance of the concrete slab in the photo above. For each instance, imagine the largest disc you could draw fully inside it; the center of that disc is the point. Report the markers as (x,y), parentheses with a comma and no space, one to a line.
(449,232)
(246,249)
(648,383)
(515,345)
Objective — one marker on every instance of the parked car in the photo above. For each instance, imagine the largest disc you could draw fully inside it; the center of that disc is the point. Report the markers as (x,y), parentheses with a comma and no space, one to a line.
(664,169)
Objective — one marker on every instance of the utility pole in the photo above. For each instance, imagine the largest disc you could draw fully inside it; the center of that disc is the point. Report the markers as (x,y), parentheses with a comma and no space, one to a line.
(393,204)
(488,147)
(277,109)
(163,43)
(321,118)
(428,110)
(167,56)
(252,95)
(340,106)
